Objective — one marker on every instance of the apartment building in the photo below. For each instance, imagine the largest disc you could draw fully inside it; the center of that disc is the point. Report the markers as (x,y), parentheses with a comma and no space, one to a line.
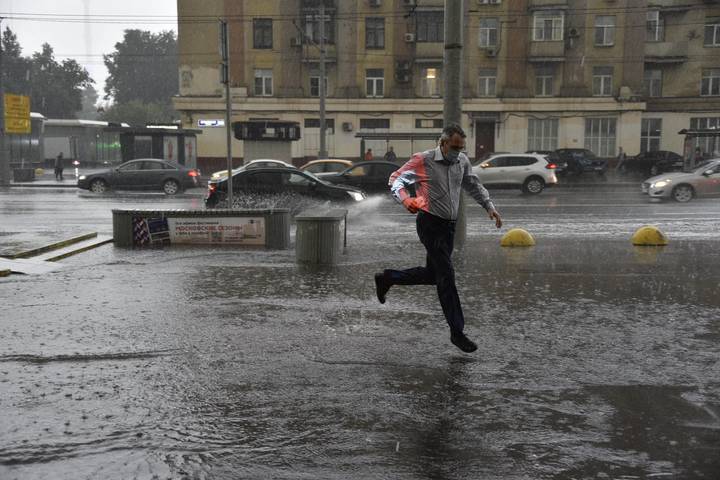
(537,74)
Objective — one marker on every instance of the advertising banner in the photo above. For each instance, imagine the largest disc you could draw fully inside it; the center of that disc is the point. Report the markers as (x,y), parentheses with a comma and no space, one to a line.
(217,231)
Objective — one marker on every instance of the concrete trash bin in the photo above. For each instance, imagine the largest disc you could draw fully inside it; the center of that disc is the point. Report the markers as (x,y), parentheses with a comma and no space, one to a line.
(23,174)
(321,236)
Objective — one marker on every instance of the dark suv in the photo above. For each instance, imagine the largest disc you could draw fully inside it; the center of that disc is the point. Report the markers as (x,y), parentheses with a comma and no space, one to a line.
(582,160)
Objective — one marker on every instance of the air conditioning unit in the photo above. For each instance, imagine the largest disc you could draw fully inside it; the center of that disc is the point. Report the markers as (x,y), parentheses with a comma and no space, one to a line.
(375,3)
(404,65)
(296,42)
(491,52)
(409,37)
(410,3)
(347,127)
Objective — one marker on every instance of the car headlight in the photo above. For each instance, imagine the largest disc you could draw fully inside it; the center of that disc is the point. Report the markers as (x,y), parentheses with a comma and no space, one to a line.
(357,196)
(82,177)
(660,184)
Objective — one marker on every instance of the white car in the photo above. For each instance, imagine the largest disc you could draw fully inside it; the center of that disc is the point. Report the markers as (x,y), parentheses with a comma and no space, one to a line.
(684,186)
(260,163)
(531,172)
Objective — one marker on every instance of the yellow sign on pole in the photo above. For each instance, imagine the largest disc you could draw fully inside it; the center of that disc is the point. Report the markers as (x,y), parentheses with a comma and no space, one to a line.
(17,114)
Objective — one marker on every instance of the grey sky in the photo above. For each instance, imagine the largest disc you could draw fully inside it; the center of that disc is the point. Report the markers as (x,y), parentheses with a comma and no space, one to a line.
(86,42)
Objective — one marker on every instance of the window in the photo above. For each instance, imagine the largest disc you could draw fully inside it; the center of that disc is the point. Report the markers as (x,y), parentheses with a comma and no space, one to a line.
(520,161)
(544,82)
(429,26)
(543,134)
(263,83)
(605,30)
(374,124)
(487,79)
(710,86)
(489,2)
(655,27)
(435,123)
(602,81)
(315,123)
(600,136)
(712,34)
(131,167)
(430,82)
(375,82)
(262,33)
(709,145)
(315,86)
(488,32)
(650,134)
(548,26)
(375,33)
(312,27)
(653,82)
(299,180)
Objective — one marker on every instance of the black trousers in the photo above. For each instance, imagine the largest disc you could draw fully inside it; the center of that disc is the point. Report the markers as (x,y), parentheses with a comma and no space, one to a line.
(437,235)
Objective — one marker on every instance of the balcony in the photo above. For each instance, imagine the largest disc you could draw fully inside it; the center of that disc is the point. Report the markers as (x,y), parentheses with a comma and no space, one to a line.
(429,50)
(547,51)
(547,4)
(670,6)
(666,52)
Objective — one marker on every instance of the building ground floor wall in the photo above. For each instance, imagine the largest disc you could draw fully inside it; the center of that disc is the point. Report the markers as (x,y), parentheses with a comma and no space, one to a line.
(603,125)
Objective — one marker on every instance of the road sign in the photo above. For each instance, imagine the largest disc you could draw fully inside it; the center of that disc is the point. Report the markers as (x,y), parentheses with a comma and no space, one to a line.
(17,114)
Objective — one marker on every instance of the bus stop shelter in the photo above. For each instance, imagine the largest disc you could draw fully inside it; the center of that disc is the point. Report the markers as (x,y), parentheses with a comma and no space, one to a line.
(414,139)
(708,140)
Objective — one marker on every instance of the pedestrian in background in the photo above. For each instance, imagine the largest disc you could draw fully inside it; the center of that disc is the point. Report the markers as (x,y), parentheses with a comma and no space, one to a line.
(390,155)
(59,167)
(438,177)
(368,155)
(620,160)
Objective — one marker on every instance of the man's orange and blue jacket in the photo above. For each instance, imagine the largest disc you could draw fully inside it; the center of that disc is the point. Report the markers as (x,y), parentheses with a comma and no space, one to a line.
(437,183)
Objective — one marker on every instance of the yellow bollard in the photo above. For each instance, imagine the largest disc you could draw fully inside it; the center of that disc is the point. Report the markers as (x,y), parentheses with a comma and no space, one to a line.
(649,236)
(517,237)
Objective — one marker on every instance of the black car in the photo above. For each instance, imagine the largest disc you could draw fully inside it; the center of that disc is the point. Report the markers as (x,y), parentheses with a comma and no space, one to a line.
(281,183)
(553,157)
(582,160)
(142,174)
(654,163)
(371,177)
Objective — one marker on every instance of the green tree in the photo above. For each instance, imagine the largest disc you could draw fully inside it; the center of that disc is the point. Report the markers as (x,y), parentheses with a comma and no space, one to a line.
(56,88)
(138,113)
(16,68)
(144,67)
(89,104)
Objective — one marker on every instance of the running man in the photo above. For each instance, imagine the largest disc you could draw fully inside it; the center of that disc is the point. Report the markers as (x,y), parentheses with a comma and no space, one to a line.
(437,177)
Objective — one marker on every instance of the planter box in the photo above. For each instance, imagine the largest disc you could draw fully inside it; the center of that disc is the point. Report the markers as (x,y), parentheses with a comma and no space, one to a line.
(23,174)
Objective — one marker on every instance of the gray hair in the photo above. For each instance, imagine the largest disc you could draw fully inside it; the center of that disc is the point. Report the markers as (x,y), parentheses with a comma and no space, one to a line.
(449,131)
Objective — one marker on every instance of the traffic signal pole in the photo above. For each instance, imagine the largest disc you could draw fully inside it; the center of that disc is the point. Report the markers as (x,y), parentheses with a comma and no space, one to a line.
(452,106)
(225,78)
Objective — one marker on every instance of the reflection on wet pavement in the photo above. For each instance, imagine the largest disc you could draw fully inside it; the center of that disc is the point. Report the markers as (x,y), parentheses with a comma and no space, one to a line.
(596,360)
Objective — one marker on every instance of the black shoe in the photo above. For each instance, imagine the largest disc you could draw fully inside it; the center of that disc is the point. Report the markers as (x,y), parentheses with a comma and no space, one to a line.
(463,343)
(381,286)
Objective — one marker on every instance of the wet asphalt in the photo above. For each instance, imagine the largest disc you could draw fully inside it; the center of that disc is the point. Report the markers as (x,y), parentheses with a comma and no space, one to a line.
(596,359)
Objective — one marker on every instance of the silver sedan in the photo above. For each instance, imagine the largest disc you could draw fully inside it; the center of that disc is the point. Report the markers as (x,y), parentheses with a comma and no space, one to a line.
(684,186)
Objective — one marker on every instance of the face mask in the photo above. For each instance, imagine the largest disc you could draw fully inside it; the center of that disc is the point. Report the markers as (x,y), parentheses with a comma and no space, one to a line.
(452,155)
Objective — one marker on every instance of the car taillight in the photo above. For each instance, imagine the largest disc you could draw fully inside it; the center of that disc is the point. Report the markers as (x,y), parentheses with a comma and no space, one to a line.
(194,173)
(551,166)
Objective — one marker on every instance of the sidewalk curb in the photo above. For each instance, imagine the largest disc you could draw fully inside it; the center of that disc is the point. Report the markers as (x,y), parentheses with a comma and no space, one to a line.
(53,246)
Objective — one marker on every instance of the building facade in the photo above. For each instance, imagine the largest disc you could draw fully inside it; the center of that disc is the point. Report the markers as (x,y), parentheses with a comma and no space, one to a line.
(537,74)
